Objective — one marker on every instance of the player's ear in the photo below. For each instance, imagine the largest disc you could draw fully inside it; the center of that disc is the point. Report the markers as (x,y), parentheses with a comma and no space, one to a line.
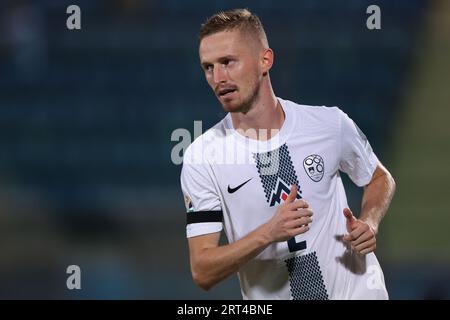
(267,60)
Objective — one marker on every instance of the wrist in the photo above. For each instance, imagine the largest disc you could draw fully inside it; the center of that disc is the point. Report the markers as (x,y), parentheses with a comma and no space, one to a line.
(373,225)
(264,237)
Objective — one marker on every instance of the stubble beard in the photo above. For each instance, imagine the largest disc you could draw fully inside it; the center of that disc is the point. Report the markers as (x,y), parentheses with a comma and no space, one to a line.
(248,103)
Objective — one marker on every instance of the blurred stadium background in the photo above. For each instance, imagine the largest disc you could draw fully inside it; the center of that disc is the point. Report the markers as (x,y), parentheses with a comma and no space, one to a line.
(86,119)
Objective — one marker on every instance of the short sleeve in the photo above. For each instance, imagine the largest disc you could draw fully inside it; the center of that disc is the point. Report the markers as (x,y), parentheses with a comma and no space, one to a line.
(203,207)
(357,157)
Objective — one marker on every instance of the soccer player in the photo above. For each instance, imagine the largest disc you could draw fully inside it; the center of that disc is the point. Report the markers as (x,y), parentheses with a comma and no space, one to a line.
(269,175)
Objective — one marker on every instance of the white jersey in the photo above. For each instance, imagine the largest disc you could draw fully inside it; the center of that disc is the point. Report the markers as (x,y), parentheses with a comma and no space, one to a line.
(236,183)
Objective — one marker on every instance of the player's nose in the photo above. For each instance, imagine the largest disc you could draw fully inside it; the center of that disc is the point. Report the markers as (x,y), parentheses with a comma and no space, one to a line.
(219,75)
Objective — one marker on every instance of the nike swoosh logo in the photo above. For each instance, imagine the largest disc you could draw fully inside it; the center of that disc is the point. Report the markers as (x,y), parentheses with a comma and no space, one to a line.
(232,190)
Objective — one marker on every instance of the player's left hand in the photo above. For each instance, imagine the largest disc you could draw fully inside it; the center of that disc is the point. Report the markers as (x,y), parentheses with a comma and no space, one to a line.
(360,235)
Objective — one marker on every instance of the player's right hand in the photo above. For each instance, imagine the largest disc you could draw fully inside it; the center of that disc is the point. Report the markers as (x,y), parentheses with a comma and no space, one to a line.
(291,218)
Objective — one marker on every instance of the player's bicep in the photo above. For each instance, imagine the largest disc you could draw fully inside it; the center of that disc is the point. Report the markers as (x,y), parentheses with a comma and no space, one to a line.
(198,244)
(380,172)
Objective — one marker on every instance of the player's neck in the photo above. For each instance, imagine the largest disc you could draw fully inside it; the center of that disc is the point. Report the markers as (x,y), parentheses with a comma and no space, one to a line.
(264,118)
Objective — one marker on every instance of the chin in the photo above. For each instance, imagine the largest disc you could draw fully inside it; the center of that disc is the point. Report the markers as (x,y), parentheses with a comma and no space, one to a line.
(231,106)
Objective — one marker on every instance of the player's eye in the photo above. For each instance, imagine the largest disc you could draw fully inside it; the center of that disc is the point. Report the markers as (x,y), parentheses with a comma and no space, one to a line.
(227,62)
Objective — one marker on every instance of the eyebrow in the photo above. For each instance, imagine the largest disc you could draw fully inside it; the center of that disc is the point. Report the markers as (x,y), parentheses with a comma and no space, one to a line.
(227,57)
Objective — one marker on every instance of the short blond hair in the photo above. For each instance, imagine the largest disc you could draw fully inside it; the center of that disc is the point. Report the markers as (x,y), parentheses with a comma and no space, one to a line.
(235,19)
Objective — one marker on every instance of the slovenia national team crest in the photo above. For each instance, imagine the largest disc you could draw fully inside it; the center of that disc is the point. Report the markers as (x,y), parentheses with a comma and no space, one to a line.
(314,167)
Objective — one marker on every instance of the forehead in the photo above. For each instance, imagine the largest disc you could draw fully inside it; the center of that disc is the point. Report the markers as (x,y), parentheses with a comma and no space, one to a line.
(221,44)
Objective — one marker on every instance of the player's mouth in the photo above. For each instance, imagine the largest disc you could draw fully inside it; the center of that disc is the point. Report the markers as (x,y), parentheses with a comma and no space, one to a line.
(226,92)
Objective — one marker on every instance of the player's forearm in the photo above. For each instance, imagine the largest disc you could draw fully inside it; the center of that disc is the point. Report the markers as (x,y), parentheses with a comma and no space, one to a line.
(215,264)
(377,198)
